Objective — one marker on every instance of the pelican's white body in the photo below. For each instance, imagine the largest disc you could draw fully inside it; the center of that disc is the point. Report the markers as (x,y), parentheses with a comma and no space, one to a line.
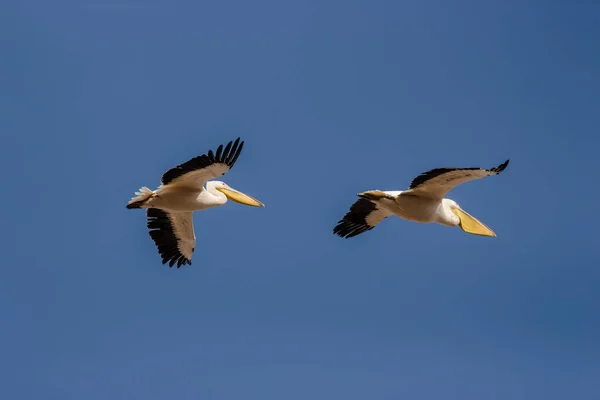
(419,209)
(176,198)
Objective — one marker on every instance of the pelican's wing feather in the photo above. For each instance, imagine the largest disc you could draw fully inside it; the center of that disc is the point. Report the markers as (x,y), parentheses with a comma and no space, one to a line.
(173,234)
(197,171)
(437,182)
(363,216)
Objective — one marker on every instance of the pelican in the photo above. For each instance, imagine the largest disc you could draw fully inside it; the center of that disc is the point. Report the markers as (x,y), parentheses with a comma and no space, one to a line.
(423,202)
(182,191)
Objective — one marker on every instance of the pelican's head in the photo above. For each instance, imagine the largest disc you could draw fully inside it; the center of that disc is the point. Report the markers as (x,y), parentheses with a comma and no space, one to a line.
(234,195)
(467,222)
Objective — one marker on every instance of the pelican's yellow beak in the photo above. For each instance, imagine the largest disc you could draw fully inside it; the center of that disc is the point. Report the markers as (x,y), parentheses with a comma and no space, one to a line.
(240,197)
(471,224)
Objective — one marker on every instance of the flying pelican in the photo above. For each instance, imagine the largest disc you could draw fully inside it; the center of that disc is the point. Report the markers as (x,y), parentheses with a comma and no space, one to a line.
(170,207)
(423,202)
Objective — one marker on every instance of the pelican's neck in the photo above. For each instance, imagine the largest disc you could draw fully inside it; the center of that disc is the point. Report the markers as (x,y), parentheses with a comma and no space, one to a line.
(212,197)
(444,214)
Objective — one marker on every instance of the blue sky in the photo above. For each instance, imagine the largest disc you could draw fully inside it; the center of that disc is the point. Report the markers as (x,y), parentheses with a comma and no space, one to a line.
(332,98)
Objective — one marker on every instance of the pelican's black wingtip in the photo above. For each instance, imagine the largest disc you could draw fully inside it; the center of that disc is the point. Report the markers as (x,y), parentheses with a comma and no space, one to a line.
(501,167)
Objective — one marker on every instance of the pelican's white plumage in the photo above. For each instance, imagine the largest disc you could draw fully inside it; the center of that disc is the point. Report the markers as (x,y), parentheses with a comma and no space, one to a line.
(423,202)
(183,190)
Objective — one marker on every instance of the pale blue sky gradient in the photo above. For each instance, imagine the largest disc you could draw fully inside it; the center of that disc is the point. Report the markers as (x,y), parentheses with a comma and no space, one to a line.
(332,98)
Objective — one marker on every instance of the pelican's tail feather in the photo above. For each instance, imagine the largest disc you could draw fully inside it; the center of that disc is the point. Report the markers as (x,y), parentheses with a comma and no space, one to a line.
(141,197)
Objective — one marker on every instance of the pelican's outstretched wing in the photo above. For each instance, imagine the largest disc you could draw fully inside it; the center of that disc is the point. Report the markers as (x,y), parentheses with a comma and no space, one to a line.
(173,234)
(195,172)
(363,216)
(437,182)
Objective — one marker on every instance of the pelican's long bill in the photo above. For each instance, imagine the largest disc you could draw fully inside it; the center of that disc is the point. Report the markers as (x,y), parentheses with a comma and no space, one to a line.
(239,197)
(470,224)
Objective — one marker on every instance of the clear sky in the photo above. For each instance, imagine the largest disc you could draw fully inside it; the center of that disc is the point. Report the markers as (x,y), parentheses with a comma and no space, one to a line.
(333,97)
